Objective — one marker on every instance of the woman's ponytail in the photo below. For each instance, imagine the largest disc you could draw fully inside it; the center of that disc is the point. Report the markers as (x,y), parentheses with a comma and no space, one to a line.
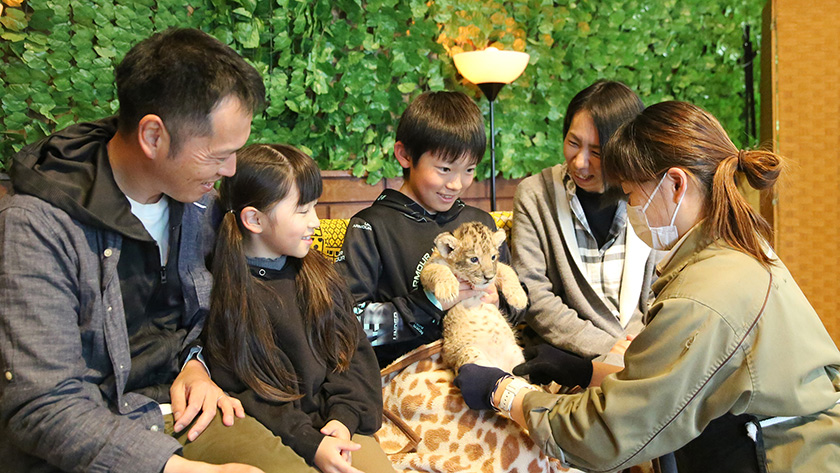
(730,216)
(762,168)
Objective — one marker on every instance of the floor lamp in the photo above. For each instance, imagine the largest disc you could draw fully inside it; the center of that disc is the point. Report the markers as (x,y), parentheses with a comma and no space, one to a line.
(490,70)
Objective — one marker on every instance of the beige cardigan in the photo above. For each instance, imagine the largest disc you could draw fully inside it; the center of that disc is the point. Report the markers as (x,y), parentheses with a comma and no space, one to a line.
(564,309)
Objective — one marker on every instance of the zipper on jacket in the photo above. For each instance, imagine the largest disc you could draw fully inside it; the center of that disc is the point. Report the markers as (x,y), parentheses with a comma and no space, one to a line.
(163,274)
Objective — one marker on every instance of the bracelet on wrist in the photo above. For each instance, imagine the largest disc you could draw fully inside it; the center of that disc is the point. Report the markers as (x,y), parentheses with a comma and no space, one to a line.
(511,391)
(496,388)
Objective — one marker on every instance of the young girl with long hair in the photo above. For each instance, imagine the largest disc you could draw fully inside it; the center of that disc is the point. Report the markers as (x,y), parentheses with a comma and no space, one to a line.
(281,335)
(734,371)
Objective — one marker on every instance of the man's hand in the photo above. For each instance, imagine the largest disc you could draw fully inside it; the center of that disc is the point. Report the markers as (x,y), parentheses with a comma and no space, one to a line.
(194,392)
(329,458)
(178,464)
(335,428)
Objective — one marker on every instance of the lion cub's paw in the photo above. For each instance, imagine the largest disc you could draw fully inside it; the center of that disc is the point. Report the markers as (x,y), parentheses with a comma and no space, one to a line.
(515,296)
(446,289)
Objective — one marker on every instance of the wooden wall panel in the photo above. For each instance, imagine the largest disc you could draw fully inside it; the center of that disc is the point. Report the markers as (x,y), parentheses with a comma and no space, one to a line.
(344,195)
(805,102)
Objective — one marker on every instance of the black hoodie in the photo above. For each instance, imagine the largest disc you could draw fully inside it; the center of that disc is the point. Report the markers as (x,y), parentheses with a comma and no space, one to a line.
(71,170)
(384,250)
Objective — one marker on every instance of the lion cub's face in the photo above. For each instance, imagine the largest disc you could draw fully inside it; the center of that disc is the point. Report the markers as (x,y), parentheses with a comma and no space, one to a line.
(471,251)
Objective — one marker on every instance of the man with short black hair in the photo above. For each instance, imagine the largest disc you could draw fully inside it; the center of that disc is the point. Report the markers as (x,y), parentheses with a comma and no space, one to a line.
(103,282)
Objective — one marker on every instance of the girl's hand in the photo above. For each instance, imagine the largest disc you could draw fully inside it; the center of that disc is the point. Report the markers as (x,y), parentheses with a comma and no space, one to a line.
(329,456)
(335,428)
(546,363)
(477,384)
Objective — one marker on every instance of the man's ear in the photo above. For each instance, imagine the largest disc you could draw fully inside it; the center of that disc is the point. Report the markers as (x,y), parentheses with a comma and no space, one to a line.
(153,136)
(446,243)
(251,219)
(402,154)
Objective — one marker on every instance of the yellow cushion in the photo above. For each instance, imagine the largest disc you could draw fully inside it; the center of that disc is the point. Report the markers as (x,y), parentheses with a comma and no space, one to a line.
(504,220)
(329,236)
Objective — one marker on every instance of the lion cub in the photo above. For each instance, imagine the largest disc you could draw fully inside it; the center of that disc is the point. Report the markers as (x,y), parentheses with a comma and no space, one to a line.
(474,331)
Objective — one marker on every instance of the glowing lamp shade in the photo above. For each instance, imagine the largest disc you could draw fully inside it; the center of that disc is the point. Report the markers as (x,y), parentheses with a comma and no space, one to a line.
(491,65)
(490,70)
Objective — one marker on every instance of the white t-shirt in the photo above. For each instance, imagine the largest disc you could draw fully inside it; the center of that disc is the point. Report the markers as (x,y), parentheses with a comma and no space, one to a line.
(155,218)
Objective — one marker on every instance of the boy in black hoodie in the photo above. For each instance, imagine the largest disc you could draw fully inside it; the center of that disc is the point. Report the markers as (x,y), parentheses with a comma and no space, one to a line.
(440,139)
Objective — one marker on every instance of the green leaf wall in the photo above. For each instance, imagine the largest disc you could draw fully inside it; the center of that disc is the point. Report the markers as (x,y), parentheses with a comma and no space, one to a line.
(339,73)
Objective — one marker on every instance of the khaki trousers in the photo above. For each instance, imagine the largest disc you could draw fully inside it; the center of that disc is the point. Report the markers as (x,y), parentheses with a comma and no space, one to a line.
(248,441)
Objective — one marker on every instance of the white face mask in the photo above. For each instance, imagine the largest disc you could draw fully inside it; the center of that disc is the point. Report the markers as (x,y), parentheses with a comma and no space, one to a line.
(658,238)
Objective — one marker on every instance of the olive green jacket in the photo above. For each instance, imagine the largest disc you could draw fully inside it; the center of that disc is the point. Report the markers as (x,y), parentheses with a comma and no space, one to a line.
(720,337)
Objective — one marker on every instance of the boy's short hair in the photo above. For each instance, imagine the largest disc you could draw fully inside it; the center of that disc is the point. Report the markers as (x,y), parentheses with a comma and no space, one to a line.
(449,124)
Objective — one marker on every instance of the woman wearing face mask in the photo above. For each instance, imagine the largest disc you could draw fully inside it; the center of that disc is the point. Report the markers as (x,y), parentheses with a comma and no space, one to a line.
(588,275)
(734,370)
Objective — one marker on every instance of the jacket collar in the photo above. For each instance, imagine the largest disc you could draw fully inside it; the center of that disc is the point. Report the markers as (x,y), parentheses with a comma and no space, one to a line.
(414,211)
(70,170)
(686,251)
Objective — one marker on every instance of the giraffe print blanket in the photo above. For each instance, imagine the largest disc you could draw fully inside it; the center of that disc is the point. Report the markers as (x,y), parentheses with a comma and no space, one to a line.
(428,427)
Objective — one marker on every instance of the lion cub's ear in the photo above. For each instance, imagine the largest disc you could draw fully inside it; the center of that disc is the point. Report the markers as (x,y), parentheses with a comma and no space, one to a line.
(446,243)
(499,237)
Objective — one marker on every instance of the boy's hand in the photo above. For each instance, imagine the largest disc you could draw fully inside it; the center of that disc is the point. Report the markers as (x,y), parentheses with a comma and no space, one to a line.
(329,458)
(465,291)
(491,295)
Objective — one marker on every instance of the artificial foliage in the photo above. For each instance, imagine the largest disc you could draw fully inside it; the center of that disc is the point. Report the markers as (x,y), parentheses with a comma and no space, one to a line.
(338,73)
